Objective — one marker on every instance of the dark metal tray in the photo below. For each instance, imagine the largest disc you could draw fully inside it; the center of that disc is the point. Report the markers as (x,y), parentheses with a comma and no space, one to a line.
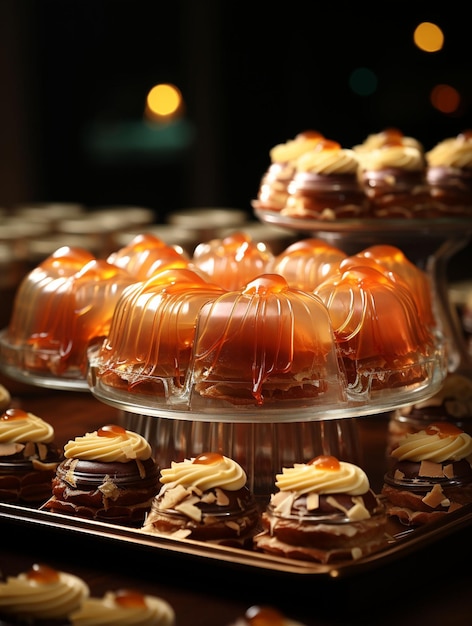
(402,541)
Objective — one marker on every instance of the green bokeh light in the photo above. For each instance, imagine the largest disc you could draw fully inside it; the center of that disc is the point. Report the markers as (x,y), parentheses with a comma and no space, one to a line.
(363,81)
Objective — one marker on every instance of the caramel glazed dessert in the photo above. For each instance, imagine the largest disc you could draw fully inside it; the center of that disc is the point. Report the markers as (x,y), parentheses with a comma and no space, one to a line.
(107,475)
(44,596)
(431,474)
(325,511)
(28,457)
(205,498)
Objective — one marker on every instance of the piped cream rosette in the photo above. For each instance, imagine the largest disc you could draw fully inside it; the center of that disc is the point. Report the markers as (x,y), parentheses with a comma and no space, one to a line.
(207,471)
(108,444)
(20,426)
(124,608)
(42,593)
(439,442)
(323,475)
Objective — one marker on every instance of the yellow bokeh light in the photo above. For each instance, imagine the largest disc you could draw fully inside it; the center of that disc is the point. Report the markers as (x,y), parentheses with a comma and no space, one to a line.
(428,37)
(163,101)
(445,98)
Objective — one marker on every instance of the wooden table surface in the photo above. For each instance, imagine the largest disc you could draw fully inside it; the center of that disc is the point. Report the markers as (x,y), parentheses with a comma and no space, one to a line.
(431,585)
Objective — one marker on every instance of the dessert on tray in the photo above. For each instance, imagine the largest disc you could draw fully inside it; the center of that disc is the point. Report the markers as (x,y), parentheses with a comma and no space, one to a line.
(42,596)
(393,176)
(325,185)
(28,457)
(205,498)
(273,190)
(430,474)
(324,511)
(124,606)
(107,475)
(449,175)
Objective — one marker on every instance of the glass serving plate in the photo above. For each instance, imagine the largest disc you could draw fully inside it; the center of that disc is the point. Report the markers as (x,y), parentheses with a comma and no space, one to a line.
(189,406)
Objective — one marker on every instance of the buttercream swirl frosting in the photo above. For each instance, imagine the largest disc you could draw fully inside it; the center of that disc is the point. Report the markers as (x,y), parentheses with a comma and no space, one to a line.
(109,444)
(322,475)
(400,156)
(20,426)
(124,608)
(455,152)
(206,471)
(292,149)
(439,442)
(42,593)
(328,158)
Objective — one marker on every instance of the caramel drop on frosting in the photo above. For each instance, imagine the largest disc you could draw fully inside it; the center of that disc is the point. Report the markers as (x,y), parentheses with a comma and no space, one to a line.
(310,134)
(127,598)
(325,462)
(208,458)
(42,574)
(264,616)
(327,144)
(443,429)
(111,430)
(14,414)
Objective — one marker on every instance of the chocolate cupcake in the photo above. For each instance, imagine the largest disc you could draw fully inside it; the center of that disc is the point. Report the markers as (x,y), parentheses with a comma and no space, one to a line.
(205,498)
(430,474)
(324,511)
(28,457)
(107,475)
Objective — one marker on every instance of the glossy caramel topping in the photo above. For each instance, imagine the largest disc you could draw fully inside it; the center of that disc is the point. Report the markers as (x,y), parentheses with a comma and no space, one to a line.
(325,462)
(323,475)
(109,444)
(455,152)
(42,574)
(111,430)
(42,593)
(19,426)
(208,471)
(129,598)
(264,616)
(438,442)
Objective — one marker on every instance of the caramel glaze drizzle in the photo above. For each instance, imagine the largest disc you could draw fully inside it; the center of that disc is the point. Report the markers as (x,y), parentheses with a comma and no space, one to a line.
(325,462)
(42,574)
(111,430)
(443,430)
(14,414)
(208,458)
(264,616)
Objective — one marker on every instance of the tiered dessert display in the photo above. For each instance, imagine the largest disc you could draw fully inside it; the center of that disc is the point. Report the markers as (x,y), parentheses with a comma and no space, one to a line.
(267,360)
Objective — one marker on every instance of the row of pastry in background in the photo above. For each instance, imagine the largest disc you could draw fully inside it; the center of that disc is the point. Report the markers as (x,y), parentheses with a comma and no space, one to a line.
(389,175)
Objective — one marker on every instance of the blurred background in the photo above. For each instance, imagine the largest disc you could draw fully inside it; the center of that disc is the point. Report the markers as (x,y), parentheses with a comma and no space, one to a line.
(75,124)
